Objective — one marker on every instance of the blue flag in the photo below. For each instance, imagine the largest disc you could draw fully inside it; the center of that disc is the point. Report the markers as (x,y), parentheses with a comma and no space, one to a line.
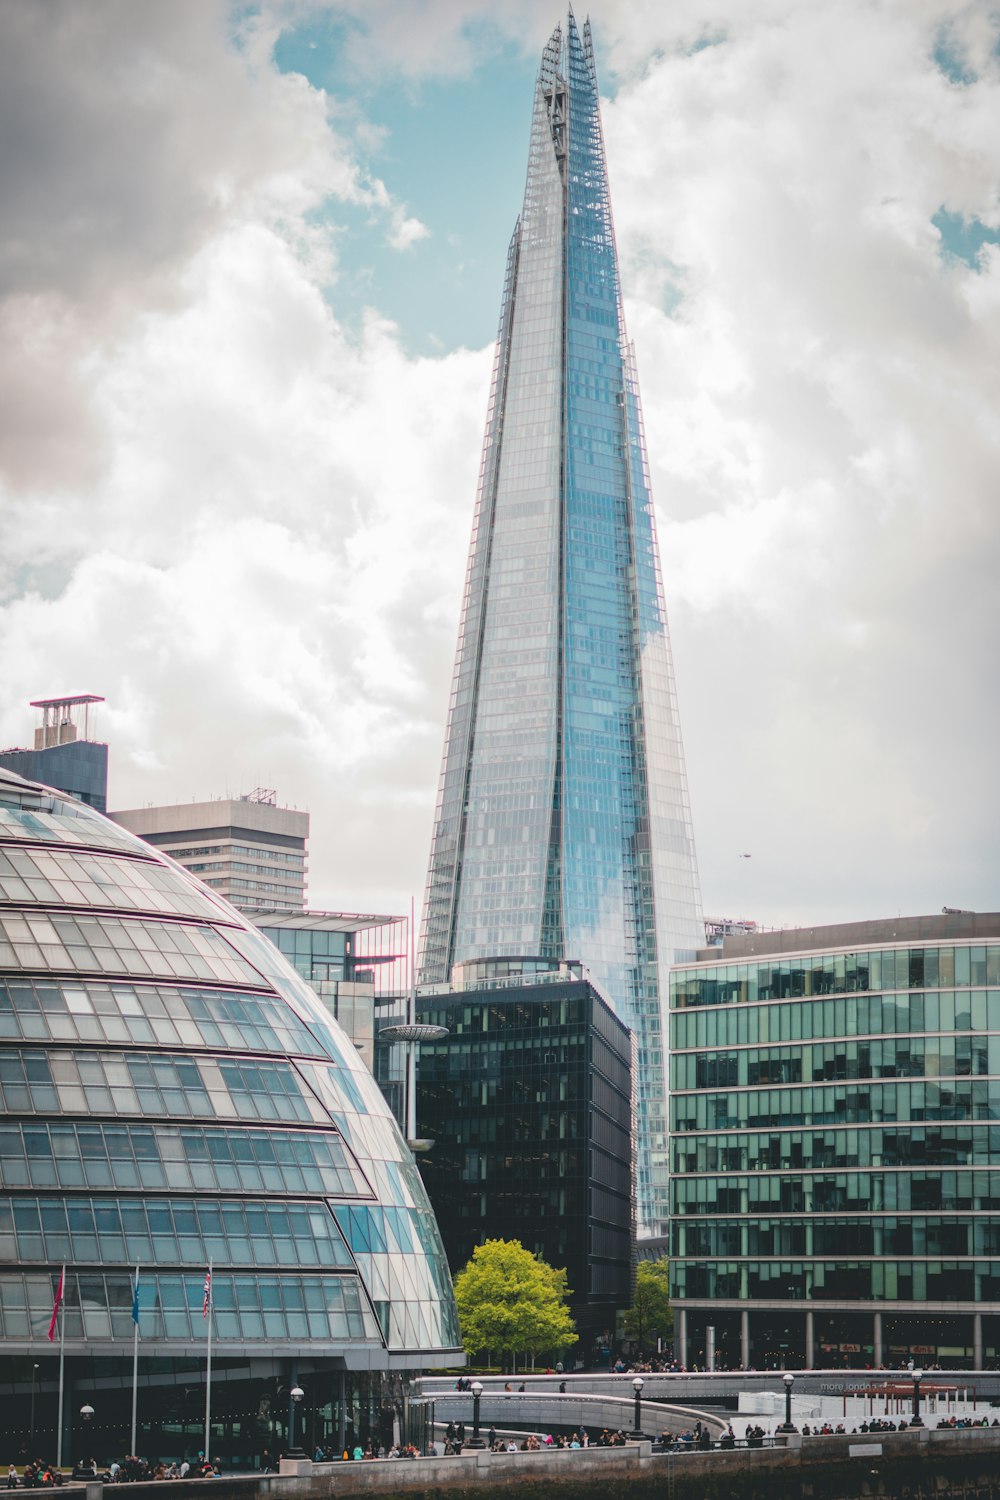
(135,1298)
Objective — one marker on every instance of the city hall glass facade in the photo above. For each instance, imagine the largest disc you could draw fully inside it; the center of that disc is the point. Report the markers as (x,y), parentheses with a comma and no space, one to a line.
(563,828)
(174,1094)
(835,1111)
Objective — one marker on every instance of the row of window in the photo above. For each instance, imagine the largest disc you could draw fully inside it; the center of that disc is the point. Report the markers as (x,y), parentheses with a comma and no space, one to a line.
(151,1015)
(853,1237)
(273,856)
(67,877)
(292,877)
(246,1309)
(542,1129)
(178,1157)
(136,1083)
(117,945)
(67,825)
(836,974)
(875,1146)
(829,1281)
(903,1057)
(239,884)
(836,1104)
(848,1192)
(168,1231)
(856,1015)
(299,942)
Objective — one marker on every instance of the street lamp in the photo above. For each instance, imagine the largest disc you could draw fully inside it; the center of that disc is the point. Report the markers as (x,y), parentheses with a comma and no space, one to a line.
(34,1377)
(477,1391)
(789,1380)
(87,1413)
(637,1386)
(918,1376)
(296,1393)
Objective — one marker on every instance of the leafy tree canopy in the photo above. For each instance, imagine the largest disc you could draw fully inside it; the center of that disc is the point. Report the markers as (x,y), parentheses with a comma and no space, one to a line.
(650,1316)
(509,1300)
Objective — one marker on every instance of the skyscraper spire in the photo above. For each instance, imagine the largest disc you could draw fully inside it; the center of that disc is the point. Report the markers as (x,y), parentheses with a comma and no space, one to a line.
(563,829)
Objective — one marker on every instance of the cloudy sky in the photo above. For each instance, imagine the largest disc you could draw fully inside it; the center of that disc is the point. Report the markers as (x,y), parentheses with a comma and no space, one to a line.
(250,270)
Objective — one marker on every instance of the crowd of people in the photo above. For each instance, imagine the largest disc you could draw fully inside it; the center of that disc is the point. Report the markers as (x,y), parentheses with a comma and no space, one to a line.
(37,1475)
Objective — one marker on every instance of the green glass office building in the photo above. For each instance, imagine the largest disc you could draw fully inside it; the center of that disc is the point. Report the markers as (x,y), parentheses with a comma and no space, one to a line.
(835,1115)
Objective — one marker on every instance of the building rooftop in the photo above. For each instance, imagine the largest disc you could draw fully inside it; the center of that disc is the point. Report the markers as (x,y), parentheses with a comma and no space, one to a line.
(321,921)
(945,926)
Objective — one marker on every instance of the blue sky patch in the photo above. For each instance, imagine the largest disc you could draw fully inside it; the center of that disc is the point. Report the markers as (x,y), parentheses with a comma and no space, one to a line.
(454,151)
(949,58)
(962,238)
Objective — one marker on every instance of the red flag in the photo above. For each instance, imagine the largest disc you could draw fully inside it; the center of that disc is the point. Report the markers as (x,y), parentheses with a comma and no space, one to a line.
(208,1293)
(56,1306)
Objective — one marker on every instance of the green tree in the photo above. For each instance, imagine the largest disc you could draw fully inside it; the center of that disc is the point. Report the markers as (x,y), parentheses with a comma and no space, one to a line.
(650,1316)
(511,1302)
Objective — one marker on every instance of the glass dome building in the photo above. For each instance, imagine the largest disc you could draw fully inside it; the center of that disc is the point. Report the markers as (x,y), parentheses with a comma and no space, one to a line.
(174,1095)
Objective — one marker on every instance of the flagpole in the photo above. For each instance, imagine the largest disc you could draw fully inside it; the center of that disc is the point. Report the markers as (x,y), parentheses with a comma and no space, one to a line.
(62,1363)
(135,1356)
(208,1364)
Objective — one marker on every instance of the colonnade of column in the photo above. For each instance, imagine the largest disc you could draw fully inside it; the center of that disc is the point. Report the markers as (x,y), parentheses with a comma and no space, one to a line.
(681,1340)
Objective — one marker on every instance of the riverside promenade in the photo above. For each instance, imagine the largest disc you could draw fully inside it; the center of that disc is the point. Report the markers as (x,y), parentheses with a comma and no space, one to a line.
(918,1464)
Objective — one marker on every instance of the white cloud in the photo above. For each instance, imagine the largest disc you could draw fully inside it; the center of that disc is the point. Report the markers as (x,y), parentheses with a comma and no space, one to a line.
(821,416)
(246,526)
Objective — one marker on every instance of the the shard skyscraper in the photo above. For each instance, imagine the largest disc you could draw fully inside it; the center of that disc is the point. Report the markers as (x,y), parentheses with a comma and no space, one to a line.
(563,830)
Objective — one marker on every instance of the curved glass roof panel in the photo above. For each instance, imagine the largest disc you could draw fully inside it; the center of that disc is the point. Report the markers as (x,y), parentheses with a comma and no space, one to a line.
(64,877)
(151,1015)
(270,1309)
(120,945)
(181,1158)
(172,1085)
(169,1231)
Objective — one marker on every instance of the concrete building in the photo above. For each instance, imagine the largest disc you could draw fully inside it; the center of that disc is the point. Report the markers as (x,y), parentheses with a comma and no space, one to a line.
(528,1102)
(64,755)
(835,1121)
(247,849)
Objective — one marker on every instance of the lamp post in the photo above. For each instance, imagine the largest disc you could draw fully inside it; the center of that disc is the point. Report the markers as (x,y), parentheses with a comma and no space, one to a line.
(87,1415)
(787,1425)
(918,1376)
(296,1393)
(31,1441)
(477,1390)
(637,1386)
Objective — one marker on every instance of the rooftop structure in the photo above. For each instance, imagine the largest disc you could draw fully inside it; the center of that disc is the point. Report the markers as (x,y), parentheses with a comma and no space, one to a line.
(63,755)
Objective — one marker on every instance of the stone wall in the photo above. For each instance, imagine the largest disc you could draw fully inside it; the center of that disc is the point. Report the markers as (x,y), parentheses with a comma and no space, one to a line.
(924,1464)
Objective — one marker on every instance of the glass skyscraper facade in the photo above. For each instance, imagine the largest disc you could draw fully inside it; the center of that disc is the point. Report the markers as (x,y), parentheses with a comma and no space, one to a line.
(563,829)
(174,1094)
(836,1145)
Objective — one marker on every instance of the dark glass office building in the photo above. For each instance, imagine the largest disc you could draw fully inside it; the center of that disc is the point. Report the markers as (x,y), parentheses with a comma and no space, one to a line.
(836,1145)
(528,1102)
(563,828)
(173,1094)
